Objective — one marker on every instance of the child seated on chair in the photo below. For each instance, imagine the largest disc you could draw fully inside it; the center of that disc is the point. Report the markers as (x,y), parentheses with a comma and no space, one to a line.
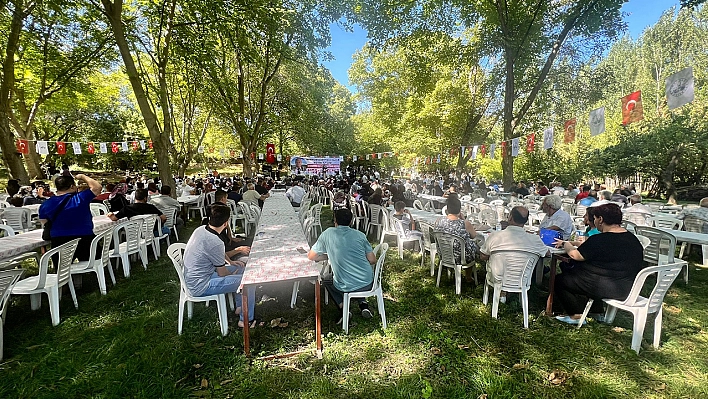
(404,215)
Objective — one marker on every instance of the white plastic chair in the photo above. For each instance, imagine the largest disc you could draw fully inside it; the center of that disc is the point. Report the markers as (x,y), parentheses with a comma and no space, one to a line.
(402,236)
(639,306)
(418,205)
(148,234)
(176,254)
(236,215)
(638,218)
(580,210)
(50,284)
(197,207)
(249,220)
(375,212)
(518,267)
(445,243)
(666,222)
(98,209)
(375,290)
(170,222)
(97,264)
(8,279)
(20,219)
(315,216)
(132,230)
(662,248)
(428,246)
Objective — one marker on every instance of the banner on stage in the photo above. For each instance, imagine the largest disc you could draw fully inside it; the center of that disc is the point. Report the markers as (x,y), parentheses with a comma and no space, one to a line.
(300,165)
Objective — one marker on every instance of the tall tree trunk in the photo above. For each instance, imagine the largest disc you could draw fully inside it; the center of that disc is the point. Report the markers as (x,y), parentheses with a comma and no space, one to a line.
(11,157)
(507,160)
(667,178)
(160,140)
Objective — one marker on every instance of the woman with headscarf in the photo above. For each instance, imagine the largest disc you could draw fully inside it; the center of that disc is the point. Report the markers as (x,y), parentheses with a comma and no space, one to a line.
(117,199)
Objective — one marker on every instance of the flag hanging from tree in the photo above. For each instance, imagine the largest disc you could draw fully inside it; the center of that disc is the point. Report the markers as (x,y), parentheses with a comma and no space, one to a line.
(42,147)
(503,146)
(530,142)
(136,145)
(474,152)
(597,121)
(90,148)
(103,148)
(483,150)
(679,88)
(515,146)
(124,146)
(492,149)
(61,148)
(76,147)
(569,131)
(23,146)
(114,147)
(548,138)
(632,110)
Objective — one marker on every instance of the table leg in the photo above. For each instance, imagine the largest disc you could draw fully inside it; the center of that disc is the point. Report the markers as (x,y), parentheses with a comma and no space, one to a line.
(318,318)
(246,324)
(551,286)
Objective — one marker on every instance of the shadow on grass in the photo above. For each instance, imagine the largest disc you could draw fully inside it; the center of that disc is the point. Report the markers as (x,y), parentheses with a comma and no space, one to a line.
(437,344)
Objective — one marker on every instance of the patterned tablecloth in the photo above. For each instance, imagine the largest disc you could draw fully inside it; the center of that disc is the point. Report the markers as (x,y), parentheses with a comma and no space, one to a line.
(279,250)
(25,242)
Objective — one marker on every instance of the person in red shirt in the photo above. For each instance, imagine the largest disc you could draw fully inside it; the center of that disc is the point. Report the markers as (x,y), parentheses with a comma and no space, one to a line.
(583,194)
(542,189)
(104,196)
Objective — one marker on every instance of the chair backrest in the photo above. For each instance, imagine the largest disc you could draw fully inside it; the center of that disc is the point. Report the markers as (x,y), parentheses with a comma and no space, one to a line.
(418,205)
(488,217)
(63,266)
(133,232)
(255,211)
(6,231)
(19,219)
(667,222)
(246,210)
(171,216)
(104,238)
(630,226)
(479,200)
(496,202)
(665,276)
(379,251)
(446,248)
(176,254)
(518,267)
(428,238)
(638,218)
(694,225)
(375,212)
(580,210)
(148,226)
(663,245)
(98,209)
(8,278)
(210,198)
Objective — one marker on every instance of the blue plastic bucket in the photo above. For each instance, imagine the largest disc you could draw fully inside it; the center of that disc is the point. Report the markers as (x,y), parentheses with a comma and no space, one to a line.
(549,236)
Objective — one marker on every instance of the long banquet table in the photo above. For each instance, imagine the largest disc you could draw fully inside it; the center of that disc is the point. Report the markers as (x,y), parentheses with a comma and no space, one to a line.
(25,242)
(691,238)
(279,253)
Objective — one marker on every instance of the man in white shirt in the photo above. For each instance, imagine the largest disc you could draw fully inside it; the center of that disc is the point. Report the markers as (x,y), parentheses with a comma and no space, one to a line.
(252,196)
(295,194)
(513,238)
(557,219)
(165,200)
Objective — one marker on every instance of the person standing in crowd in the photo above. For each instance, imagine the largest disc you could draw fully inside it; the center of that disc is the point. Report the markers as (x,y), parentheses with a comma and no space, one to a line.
(70,213)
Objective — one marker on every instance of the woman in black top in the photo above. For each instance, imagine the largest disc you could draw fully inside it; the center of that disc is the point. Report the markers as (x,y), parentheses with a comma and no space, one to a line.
(606,265)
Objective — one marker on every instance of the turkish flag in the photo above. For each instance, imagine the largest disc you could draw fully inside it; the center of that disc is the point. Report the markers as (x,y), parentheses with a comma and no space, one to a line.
(530,141)
(90,148)
(150,144)
(136,145)
(632,110)
(569,131)
(114,147)
(61,148)
(482,150)
(23,146)
(270,153)
(503,145)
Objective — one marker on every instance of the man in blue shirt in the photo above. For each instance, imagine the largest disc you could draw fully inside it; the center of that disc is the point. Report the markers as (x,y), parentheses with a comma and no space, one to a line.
(350,256)
(70,212)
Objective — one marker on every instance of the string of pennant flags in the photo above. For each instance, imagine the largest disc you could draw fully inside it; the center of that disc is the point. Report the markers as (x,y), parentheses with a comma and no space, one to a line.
(680,90)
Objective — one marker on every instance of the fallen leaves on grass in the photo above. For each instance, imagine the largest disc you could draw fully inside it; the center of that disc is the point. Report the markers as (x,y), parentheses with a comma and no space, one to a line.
(197,366)
(436,351)
(224,382)
(661,387)
(519,366)
(557,377)
(463,347)
(205,383)
(278,322)
(618,329)
(672,309)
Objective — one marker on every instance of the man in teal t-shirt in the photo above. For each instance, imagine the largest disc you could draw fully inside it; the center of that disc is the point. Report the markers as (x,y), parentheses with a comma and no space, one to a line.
(350,257)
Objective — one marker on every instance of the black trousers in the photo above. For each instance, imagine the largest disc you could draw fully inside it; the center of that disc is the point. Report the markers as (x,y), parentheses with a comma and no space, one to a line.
(573,288)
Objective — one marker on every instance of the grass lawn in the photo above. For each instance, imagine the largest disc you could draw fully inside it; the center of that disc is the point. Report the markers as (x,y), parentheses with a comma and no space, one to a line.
(437,345)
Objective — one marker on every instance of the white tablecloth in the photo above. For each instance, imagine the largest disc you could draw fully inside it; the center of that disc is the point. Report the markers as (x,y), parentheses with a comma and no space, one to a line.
(21,243)
(274,254)
(188,199)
